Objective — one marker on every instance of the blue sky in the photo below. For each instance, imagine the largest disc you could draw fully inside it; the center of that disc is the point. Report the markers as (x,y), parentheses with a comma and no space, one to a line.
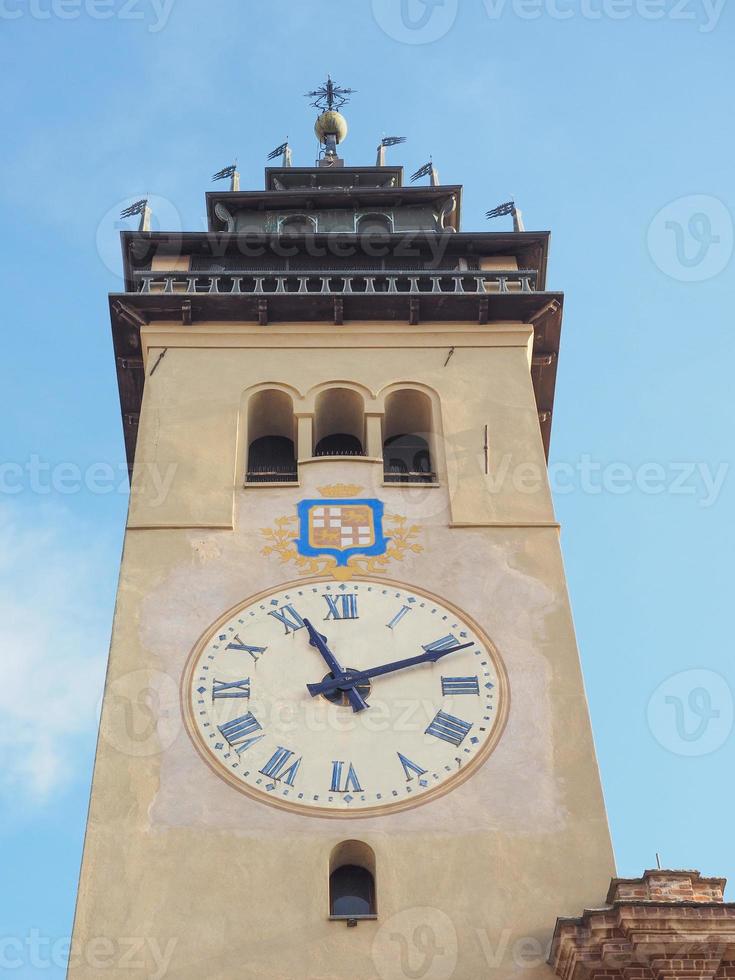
(611,122)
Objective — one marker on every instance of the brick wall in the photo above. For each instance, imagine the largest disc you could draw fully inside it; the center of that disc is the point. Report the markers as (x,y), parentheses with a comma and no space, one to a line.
(667,925)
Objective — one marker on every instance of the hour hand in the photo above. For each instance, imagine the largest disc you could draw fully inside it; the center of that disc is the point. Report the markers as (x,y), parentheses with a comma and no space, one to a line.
(316,639)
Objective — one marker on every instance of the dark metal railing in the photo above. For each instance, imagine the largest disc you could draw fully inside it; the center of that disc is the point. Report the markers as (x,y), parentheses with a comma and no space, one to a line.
(330,283)
(272,474)
(338,452)
(403,476)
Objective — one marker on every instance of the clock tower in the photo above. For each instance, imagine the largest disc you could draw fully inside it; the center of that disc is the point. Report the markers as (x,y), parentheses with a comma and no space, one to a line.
(344,732)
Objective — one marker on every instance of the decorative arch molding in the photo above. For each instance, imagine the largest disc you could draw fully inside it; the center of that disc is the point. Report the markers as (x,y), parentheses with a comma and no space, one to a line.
(394,386)
(367,395)
(247,393)
(295,219)
(381,217)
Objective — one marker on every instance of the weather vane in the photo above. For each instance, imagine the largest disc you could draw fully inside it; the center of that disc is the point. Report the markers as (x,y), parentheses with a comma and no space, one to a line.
(330,96)
(386,142)
(509,207)
(230,173)
(142,208)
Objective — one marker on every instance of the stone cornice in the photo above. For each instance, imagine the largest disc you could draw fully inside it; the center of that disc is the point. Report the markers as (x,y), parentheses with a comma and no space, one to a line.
(663,926)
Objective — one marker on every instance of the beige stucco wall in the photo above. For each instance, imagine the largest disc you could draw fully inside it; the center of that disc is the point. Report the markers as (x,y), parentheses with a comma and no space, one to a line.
(193,410)
(173,854)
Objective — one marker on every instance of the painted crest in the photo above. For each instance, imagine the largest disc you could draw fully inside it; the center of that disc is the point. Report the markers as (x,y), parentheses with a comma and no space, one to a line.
(341,528)
(341,534)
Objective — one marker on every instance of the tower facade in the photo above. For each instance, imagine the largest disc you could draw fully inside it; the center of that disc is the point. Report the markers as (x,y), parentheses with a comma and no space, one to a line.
(344,731)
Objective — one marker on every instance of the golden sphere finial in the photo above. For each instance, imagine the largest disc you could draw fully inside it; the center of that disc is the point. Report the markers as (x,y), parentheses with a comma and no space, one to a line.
(331,123)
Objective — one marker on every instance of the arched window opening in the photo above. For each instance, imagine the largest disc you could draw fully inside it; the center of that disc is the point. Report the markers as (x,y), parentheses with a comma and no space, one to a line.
(271,438)
(340,423)
(408,436)
(352,882)
(298,224)
(374,224)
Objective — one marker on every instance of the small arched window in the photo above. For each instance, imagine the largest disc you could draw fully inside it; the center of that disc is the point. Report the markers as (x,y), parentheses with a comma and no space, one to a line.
(340,423)
(352,882)
(374,224)
(271,432)
(408,437)
(298,224)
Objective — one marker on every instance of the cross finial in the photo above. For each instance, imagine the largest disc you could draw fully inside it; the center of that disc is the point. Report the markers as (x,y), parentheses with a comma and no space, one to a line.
(330,95)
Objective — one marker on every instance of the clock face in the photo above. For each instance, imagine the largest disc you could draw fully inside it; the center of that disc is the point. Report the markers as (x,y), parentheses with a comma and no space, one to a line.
(306,697)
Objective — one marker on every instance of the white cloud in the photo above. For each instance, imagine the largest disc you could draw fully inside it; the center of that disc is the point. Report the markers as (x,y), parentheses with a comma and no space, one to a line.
(55,609)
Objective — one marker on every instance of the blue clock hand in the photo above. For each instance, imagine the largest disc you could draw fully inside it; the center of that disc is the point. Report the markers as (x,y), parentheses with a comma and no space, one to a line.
(316,639)
(354,677)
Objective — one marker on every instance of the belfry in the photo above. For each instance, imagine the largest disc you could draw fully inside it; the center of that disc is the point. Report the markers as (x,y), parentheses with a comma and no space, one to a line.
(344,732)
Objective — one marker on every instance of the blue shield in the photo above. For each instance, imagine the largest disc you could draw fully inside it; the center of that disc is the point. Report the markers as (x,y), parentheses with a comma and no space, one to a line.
(341,528)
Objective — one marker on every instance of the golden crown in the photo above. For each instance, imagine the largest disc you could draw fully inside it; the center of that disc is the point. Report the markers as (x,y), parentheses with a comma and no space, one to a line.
(340,490)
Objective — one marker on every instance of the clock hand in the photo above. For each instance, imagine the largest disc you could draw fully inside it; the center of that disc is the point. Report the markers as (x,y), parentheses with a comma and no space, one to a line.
(316,639)
(347,679)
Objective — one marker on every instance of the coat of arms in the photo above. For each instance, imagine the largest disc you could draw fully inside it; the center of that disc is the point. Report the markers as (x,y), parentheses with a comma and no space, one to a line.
(341,534)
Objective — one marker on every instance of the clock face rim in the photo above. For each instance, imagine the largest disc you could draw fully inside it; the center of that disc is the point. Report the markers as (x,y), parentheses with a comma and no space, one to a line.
(305,810)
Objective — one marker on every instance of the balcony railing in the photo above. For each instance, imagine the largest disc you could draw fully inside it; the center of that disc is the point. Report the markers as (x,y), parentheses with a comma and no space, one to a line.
(330,283)
(272,474)
(404,476)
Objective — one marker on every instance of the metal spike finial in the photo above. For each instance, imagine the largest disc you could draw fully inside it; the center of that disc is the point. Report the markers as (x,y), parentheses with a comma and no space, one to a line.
(330,96)
(428,170)
(508,208)
(139,207)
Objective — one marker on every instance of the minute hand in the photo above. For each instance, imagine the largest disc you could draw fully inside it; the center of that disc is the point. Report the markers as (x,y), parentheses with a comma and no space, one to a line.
(354,677)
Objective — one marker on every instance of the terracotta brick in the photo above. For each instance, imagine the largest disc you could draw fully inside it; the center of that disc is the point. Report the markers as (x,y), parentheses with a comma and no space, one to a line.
(667,925)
